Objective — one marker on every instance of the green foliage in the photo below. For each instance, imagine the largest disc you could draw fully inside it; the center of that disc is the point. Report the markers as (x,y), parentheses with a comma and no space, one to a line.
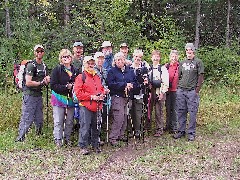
(222,66)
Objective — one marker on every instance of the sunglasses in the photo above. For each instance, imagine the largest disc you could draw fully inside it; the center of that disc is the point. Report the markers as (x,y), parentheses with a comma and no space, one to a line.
(64,57)
(41,51)
(91,63)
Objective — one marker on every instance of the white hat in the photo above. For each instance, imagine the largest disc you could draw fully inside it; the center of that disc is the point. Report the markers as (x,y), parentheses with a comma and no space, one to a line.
(38,46)
(106,44)
(98,54)
(78,43)
(123,45)
(88,58)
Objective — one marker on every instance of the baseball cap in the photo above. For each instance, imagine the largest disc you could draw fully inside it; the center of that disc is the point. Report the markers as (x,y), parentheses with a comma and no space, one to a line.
(98,54)
(106,44)
(78,43)
(88,58)
(38,46)
(123,45)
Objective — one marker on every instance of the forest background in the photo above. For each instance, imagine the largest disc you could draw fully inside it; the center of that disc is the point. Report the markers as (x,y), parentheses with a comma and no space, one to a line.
(212,25)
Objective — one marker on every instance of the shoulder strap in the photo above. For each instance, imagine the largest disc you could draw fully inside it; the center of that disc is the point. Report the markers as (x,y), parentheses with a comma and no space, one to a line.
(83,77)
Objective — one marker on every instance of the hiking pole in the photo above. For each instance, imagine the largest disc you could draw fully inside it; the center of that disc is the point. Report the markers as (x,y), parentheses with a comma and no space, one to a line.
(133,130)
(108,106)
(47,105)
(99,119)
(126,94)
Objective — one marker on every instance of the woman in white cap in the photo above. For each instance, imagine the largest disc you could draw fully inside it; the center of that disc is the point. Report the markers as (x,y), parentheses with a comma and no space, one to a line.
(90,94)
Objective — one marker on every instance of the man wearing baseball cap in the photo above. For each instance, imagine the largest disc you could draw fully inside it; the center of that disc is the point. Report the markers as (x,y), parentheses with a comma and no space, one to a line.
(78,55)
(190,73)
(108,55)
(36,76)
(125,49)
(78,65)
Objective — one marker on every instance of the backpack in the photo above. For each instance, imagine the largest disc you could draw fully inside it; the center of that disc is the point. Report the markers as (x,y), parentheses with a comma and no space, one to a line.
(156,83)
(75,100)
(20,72)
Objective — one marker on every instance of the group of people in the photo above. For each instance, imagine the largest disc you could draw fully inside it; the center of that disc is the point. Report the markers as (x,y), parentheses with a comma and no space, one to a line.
(90,88)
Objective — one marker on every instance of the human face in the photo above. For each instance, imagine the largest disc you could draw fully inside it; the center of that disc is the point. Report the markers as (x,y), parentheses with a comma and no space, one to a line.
(137,58)
(100,61)
(190,53)
(78,51)
(66,60)
(124,50)
(107,50)
(174,58)
(156,58)
(120,61)
(39,53)
(90,65)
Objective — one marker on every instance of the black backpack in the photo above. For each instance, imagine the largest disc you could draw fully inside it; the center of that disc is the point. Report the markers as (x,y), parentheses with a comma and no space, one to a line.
(156,83)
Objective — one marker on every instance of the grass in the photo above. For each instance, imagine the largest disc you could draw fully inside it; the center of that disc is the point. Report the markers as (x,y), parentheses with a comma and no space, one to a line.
(214,154)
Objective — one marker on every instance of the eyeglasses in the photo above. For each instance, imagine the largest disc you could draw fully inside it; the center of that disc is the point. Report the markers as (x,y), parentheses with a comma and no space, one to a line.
(41,51)
(63,57)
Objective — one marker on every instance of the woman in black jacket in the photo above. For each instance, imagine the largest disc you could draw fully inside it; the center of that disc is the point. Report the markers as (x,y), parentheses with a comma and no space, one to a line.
(62,78)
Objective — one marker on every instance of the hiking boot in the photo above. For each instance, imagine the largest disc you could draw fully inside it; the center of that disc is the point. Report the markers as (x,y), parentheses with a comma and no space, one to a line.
(101,143)
(39,131)
(58,143)
(98,150)
(114,143)
(191,137)
(123,139)
(84,151)
(20,139)
(68,143)
(178,135)
(158,134)
(137,135)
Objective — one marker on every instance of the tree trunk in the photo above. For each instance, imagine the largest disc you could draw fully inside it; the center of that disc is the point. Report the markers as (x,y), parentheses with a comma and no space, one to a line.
(8,24)
(66,12)
(228,25)
(197,33)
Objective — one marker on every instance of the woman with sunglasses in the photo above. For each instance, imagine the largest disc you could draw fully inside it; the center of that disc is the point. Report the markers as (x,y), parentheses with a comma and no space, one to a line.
(62,79)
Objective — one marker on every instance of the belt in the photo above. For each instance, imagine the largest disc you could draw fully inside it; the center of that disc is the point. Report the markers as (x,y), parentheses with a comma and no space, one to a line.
(185,89)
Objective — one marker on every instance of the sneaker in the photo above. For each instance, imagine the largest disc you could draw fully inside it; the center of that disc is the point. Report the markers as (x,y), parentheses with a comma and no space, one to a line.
(191,137)
(178,135)
(84,151)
